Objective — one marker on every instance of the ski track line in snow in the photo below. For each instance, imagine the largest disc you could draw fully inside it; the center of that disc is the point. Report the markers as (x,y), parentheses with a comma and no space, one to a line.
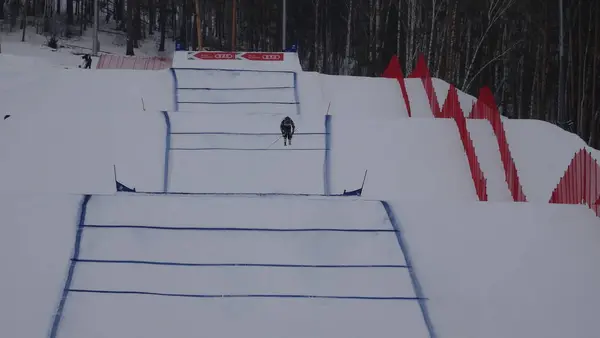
(128,292)
(260,265)
(147,227)
(71,272)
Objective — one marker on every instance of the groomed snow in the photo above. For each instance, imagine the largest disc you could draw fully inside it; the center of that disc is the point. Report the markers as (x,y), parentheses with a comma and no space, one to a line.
(499,270)
(199,211)
(36,241)
(542,152)
(420,159)
(232,79)
(249,163)
(363,96)
(87,90)
(123,259)
(486,269)
(139,316)
(57,152)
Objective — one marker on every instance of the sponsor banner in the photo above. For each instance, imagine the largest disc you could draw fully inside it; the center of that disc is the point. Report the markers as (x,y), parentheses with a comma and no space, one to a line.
(212,55)
(224,56)
(263,56)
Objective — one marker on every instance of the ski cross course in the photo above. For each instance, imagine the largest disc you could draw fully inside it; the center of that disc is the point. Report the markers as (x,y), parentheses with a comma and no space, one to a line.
(228,233)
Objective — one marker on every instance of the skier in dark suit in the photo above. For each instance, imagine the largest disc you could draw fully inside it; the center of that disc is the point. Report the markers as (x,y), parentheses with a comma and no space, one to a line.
(287,130)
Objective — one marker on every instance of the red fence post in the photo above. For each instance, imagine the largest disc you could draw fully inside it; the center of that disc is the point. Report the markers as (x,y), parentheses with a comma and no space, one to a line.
(451,109)
(394,71)
(485,108)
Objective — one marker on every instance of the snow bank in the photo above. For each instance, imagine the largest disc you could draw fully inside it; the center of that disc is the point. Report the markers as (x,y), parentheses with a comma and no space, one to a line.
(78,90)
(36,241)
(57,152)
(251,162)
(542,152)
(500,270)
(363,96)
(405,158)
(272,300)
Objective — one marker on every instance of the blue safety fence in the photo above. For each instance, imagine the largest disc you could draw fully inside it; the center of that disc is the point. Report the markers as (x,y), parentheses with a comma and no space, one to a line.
(293,86)
(71,271)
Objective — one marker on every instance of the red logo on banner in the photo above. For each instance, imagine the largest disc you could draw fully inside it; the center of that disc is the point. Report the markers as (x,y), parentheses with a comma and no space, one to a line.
(215,55)
(263,56)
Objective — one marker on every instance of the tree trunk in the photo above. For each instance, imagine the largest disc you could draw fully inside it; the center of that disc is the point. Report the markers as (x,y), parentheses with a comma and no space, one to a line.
(130,32)
(162,24)
(151,16)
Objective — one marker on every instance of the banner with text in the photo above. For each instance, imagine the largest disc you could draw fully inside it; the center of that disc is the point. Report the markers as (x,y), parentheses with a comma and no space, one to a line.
(224,56)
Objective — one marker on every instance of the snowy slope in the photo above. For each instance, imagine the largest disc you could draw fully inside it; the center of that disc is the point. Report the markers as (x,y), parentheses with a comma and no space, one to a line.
(236,91)
(420,159)
(542,152)
(246,153)
(57,152)
(120,289)
(85,90)
(36,240)
(486,269)
(499,270)
(370,97)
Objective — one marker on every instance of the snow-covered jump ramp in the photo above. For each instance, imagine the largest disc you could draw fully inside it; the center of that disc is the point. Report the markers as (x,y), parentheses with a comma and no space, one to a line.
(164,266)
(228,82)
(246,153)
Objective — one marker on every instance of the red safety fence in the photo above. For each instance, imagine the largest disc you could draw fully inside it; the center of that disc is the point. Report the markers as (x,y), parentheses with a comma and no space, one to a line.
(451,109)
(581,183)
(109,61)
(394,71)
(485,108)
(421,71)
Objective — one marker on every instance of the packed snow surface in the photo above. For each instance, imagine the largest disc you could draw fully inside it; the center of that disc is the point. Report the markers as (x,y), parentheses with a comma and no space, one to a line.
(267,263)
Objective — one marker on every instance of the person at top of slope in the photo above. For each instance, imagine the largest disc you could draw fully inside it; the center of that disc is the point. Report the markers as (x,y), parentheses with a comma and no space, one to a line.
(288,128)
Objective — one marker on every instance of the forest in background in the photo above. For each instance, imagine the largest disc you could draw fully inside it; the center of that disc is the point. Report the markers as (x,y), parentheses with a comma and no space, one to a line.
(512,46)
